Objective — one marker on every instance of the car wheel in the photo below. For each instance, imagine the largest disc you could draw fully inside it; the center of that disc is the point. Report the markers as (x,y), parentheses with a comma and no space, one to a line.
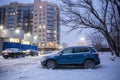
(51,64)
(89,64)
(14,56)
(23,55)
(5,57)
(19,55)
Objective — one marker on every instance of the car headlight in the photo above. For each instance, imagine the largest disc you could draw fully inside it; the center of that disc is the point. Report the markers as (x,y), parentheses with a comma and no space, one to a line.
(42,59)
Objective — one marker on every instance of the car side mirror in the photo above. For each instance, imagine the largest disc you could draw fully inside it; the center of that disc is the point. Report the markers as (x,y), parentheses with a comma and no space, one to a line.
(60,53)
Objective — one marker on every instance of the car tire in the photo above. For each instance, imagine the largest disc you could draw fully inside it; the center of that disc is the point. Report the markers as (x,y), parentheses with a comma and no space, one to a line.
(51,64)
(19,56)
(23,55)
(5,57)
(89,64)
(14,56)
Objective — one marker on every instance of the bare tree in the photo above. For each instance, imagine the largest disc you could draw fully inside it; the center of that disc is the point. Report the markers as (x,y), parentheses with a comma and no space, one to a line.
(96,40)
(102,17)
(64,45)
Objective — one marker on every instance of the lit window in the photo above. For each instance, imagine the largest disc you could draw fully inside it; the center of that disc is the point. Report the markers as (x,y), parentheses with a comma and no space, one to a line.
(31,11)
(10,13)
(13,14)
(26,24)
(40,27)
(54,31)
(25,42)
(40,6)
(48,31)
(43,26)
(14,40)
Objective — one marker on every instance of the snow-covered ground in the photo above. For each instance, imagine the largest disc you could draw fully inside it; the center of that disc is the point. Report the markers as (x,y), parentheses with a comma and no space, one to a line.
(29,68)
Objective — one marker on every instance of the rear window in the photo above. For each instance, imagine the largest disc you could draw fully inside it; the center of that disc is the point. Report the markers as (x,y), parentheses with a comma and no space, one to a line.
(93,50)
(81,49)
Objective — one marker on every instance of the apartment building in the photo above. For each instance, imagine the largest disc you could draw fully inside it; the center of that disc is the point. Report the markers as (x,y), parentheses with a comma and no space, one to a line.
(46,24)
(39,18)
(17,15)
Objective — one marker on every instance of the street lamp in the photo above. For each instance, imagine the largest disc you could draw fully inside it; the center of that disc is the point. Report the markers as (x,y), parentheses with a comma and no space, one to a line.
(17,31)
(61,46)
(1,27)
(28,34)
(35,37)
(82,41)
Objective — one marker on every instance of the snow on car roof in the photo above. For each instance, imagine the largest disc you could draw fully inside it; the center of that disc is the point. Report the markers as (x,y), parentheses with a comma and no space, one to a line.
(12,50)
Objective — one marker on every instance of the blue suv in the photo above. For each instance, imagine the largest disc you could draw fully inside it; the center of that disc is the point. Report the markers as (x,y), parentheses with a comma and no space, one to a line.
(78,55)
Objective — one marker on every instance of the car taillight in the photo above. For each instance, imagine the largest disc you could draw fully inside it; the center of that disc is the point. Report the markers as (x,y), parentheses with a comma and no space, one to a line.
(97,54)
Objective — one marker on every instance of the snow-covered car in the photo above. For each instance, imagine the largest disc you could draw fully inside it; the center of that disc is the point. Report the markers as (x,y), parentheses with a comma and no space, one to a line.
(31,52)
(13,53)
(48,52)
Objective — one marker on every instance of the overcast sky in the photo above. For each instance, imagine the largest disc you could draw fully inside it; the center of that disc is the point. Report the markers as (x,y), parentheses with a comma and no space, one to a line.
(71,39)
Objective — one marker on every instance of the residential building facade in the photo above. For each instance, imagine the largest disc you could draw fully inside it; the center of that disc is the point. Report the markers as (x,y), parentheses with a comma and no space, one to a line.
(39,18)
(17,15)
(46,24)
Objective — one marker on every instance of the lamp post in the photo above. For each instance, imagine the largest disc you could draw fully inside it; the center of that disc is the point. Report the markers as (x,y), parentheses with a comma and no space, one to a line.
(17,32)
(1,39)
(29,35)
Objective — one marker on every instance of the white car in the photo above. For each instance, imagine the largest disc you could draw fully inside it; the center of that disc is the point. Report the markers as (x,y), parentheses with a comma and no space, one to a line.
(13,53)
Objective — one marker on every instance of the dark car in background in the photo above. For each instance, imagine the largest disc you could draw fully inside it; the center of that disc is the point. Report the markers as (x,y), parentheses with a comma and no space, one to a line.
(78,55)
(13,53)
(31,52)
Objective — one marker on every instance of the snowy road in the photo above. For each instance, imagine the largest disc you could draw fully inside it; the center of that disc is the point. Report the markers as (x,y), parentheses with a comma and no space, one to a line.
(29,68)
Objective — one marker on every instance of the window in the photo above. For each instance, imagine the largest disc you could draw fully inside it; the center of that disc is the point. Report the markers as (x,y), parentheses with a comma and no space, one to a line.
(35,14)
(35,31)
(40,7)
(35,26)
(68,51)
(81,49)
(40,27)
(48,31)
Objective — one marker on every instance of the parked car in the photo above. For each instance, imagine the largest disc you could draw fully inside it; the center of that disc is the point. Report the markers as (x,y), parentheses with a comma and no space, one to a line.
(48,52)
(13,53)
(31,52)
(45,52)
(78,55)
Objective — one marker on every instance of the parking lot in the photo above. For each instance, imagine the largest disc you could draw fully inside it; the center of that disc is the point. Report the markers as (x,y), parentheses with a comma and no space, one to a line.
(29,68)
